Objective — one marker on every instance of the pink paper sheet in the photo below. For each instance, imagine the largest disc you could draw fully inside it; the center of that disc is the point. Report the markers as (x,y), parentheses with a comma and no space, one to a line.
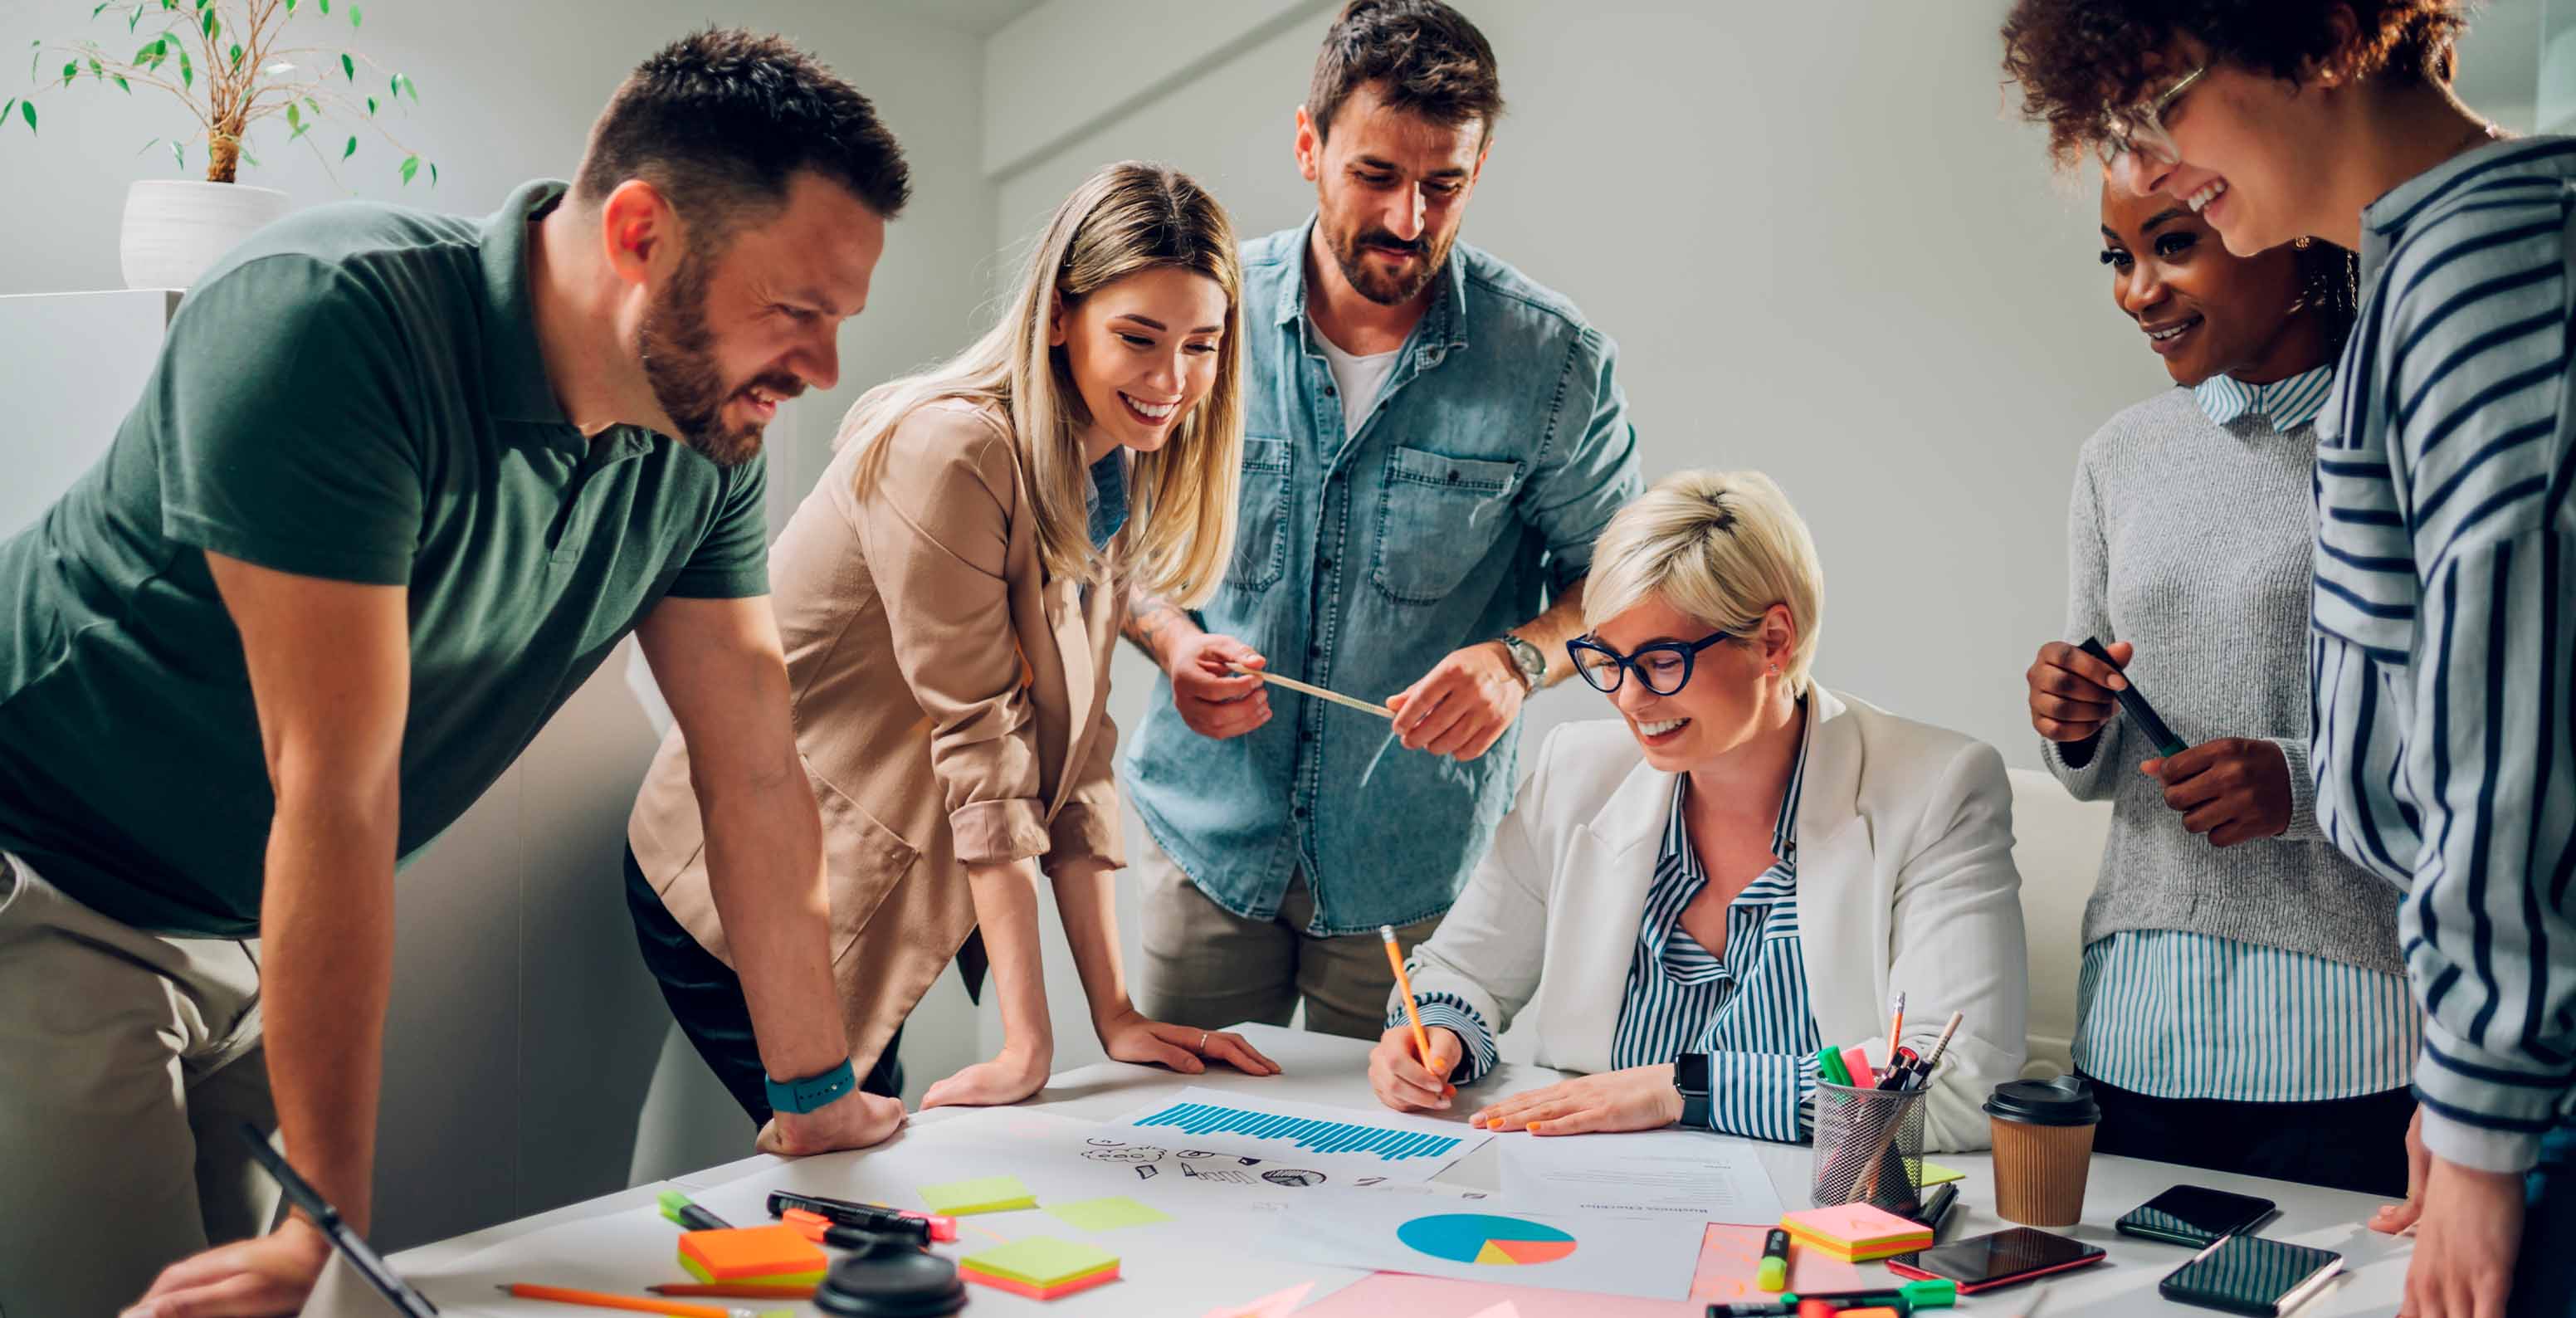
(1727,1259)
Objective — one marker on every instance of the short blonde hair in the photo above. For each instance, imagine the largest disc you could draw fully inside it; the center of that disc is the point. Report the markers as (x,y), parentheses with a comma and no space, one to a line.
(1721,546)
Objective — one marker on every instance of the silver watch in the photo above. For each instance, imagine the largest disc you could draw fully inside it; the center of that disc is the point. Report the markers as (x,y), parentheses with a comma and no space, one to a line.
(1528,658)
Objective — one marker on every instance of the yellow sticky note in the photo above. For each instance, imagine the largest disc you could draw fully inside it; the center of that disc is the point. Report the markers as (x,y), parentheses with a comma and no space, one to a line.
(1934,1173)
(1108,1214)
(984,1194)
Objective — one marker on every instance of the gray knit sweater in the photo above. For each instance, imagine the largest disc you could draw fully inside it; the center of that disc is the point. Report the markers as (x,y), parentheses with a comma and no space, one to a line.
(2194,542)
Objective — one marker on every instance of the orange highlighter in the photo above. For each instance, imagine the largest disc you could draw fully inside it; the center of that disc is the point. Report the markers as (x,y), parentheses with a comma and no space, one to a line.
(1421,1041)
(631,1304)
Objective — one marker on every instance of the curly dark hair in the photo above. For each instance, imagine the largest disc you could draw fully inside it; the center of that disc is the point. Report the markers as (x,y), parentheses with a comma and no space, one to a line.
(719,120)
(1426,58)
(2076,58)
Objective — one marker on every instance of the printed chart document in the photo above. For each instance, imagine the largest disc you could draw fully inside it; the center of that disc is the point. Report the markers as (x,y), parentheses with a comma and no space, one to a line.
(1204,1128)
(1494,1242)
(1676,1173)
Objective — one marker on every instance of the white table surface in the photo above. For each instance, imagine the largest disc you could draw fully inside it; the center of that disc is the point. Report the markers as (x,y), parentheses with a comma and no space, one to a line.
(1323,1069)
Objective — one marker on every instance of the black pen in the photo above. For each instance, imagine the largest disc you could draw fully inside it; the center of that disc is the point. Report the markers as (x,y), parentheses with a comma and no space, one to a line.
(309,1201)
(1936,1209)
(2135,701)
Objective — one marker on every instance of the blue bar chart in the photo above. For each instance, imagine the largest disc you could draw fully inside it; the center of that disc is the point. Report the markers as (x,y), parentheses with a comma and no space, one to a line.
(1311,1134)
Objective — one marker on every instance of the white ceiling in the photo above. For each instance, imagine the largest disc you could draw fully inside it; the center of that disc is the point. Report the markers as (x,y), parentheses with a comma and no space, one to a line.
(981,17)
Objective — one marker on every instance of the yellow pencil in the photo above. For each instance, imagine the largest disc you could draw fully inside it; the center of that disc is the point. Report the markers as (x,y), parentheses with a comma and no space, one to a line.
(1421,1041)
(1319,693)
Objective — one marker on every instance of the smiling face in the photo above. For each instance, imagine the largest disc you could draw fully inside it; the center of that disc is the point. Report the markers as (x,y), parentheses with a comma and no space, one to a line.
(1720,708)
(1391,189)
(1143,352)
(725,338)
(2204,310)
(2242,137)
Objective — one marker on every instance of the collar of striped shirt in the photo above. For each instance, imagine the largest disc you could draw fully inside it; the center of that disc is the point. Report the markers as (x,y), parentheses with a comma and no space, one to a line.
(2289,404)
(2385,220)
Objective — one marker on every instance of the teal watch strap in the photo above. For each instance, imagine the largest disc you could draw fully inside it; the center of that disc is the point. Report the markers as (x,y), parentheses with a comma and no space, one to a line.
(813,1091)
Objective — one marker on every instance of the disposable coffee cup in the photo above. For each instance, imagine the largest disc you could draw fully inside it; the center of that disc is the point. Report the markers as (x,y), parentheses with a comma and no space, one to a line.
(2043,1131)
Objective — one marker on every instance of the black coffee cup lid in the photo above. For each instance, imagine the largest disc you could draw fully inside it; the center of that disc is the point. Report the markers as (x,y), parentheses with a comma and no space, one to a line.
(891,1280)
(2064,1101)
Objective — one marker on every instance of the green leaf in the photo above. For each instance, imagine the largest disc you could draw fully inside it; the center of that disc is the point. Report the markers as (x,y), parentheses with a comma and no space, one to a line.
(12,104)
(433,173)
(355,17)
(326,6)
(294,115)
(122,85)
(290,6)
(179,153)
(97,71)
(410,167)
(348,67)
(145,147)
(187,71)
(102,8)
(27,111)
(213,24)
(371,107)
(71,70)
(236,55)
(410,88)
(350,150)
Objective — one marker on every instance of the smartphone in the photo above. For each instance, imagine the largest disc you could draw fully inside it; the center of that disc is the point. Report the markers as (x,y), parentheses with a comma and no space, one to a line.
(1998,1259)
(2251,1275)
(2194,1215)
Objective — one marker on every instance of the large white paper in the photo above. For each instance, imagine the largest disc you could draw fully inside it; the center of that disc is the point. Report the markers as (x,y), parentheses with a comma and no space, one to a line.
(1493,1241)
(1664,1173)
(1207,1132)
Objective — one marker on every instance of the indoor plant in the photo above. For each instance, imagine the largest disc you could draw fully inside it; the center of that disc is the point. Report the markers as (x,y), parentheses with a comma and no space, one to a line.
(233,63)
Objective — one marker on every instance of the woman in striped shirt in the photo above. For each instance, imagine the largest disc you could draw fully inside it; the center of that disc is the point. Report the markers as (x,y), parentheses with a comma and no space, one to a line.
(1738,870)
(2242,1006)
(2442,665)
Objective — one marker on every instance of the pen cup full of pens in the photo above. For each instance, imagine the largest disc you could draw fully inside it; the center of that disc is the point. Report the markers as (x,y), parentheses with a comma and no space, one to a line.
(1869,1147)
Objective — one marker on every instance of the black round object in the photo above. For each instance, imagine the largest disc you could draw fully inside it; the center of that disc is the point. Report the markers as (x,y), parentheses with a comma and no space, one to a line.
(2064,1101)
(890,1277)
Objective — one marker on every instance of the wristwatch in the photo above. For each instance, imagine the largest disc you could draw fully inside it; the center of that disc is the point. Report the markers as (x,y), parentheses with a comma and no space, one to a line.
(1690,1075)
(1528,658)
(812,1092)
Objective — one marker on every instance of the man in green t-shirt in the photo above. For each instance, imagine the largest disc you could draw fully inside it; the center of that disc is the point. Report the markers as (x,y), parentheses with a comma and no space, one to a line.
(399,482)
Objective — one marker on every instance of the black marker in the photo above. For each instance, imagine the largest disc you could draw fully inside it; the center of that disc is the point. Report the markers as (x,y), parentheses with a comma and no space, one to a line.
(369,1264)
(2140,712)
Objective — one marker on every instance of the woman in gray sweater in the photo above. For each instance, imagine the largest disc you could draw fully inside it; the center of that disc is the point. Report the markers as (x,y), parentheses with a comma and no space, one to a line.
(2242,1004)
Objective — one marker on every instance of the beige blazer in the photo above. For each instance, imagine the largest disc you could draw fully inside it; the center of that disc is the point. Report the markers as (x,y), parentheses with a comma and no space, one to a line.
(950,705)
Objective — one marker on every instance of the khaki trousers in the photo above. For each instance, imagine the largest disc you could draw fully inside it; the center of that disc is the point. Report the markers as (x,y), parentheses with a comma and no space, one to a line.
(1207,968)
(128,1062)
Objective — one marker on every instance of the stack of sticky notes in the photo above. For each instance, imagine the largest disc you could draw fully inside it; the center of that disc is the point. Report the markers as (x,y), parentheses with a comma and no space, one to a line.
(774,1255)
(1041,1267)
(1856,1232)
(984,1194)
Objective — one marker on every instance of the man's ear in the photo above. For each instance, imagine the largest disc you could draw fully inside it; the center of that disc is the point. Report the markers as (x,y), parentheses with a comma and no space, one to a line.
(1309,147)
(637,229)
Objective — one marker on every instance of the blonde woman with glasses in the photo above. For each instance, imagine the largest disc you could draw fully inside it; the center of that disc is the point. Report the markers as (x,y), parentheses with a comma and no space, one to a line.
(1738,870)
(948,597)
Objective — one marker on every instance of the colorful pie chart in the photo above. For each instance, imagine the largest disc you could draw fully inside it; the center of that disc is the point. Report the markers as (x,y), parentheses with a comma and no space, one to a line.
(1485,1238)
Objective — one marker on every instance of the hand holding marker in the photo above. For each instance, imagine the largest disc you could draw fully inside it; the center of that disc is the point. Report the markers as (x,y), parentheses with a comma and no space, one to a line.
(2135,704)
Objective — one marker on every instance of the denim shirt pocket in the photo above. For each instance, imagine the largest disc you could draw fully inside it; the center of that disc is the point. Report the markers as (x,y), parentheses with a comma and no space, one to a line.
(1260,531)
(1439,516)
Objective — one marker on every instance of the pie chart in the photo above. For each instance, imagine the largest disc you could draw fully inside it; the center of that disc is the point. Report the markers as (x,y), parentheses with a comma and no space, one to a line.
(1485,1238)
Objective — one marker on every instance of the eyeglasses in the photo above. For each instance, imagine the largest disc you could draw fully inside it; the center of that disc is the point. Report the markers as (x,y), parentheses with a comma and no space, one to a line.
(2141,127)
(1664,667)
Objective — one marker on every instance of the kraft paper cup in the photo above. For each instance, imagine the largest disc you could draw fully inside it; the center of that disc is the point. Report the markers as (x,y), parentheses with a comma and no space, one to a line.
(2043,1136)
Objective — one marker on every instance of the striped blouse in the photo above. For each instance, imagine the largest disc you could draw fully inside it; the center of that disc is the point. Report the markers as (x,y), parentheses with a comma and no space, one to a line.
(2176,1014)
(2443,651)
(1748,1009)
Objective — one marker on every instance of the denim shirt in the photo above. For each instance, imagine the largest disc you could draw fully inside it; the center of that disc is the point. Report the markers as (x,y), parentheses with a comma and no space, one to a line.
(1471,493)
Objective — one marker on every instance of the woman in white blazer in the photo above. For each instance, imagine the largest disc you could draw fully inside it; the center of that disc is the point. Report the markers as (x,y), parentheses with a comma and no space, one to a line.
(1742,868)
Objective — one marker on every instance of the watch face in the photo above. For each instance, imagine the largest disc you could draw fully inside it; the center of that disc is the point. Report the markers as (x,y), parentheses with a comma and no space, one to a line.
(1690,1073)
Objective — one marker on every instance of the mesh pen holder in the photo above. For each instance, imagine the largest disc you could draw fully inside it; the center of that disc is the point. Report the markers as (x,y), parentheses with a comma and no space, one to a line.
(1869,1147)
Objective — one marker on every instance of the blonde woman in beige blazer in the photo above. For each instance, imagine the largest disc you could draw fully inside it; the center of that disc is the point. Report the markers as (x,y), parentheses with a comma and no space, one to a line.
(948,597)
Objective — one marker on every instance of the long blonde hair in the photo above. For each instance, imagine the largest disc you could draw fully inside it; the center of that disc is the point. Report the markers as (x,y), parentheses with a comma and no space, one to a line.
(1129,217)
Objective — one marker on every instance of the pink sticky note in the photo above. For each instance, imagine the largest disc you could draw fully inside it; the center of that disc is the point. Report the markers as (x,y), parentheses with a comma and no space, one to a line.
(1502,1310)
(1277,1304)
(1731,1255)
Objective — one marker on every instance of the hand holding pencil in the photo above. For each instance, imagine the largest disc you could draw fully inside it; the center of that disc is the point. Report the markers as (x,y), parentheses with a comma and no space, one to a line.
(1409,1068)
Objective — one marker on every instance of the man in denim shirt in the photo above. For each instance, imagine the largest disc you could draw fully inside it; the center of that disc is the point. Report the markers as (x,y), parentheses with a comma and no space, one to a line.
(1431,444)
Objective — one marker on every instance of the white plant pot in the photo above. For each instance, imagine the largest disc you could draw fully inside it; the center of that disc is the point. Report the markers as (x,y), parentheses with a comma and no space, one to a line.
(176,228)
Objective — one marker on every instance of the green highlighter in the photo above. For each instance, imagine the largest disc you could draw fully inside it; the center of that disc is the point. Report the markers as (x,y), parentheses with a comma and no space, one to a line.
(1829,1064)
(1935,1293)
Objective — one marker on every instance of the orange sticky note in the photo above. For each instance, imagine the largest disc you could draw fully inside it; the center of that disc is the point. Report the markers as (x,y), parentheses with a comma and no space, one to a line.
(774,1253)
(1858,1232)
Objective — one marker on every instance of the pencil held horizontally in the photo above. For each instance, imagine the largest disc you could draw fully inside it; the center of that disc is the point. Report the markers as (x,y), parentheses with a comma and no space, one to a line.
(1304,689)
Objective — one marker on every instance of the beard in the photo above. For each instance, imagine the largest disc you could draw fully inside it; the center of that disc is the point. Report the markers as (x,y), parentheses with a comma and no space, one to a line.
(678,353)
(1349,251)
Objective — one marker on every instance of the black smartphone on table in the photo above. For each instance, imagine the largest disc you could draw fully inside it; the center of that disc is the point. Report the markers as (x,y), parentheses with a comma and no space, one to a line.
(1997,1259)
(2251,1275)
(2195,1215)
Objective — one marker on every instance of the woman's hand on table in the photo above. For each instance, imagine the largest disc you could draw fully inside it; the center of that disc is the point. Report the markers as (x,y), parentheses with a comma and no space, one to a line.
(1019,1072)
(1401,1080)
(1637,1098)
(1129,1037)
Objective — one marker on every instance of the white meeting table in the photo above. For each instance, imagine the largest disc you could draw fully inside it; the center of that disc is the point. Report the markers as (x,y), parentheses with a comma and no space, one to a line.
(1328,1070)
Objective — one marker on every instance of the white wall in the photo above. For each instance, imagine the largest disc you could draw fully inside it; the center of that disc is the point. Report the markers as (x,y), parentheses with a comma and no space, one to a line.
(523,1027)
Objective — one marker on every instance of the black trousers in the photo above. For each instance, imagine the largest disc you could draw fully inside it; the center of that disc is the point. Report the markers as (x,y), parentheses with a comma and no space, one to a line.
(2346,1143)
(706,998)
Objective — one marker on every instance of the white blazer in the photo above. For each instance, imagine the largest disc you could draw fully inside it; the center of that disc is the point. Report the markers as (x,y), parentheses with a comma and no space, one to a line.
(1905,880)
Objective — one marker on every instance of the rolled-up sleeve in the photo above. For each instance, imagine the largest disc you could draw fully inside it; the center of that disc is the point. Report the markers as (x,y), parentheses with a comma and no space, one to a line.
(936,526)
(1086,828)
(1588,468)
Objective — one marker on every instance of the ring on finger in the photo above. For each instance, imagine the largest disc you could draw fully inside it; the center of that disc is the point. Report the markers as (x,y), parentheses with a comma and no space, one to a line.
(1203,1038)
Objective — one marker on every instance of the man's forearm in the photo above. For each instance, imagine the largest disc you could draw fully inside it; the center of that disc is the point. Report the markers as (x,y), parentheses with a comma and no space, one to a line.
(327,943)
(1550,630)
(765,870)
(1154,624)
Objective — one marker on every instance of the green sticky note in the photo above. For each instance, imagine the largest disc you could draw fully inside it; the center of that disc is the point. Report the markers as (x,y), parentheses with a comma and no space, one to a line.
(1934,1173)
(984,1194)
(1108,1214)
(1042,1260)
